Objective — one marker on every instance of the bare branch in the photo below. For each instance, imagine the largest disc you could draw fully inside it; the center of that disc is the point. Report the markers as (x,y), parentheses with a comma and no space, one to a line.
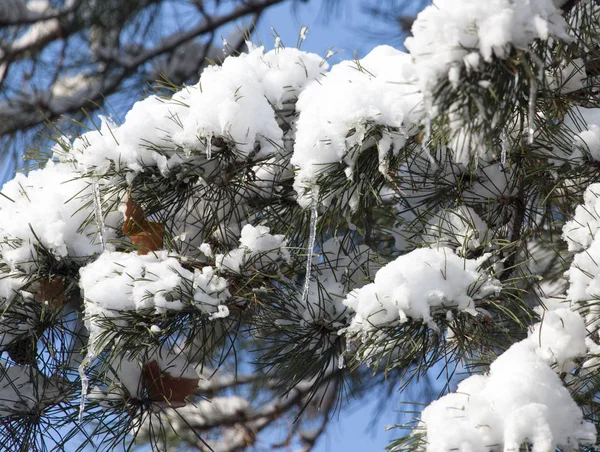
(25,111)
(15,12)
(171,42)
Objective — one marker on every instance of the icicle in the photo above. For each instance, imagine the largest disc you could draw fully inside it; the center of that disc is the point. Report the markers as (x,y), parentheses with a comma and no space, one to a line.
(209,147)
(427,135)
(98,213)
(533,88)
(85,382)
(503,152)
(311,245)
(341,362)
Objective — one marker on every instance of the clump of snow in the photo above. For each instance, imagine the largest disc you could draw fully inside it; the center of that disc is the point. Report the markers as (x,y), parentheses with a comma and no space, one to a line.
(568,77)
(10,286)
(209,291)
(129,146)
(337,113)
(589,141)
(467,143)
(584,283)
(206,249)
(581,234)
(492,181)
(451,37)
(257,247)
(222,312)
(155,329)
(105,397)
(339,267)
(415,283)
(210,412)
(582,125)
(21,390)
(461,229)
(236,101)
(584,269)
(128,282)
(47,208)
(520,401)
(559,338)
(230,102)
(451,34)
(285,72)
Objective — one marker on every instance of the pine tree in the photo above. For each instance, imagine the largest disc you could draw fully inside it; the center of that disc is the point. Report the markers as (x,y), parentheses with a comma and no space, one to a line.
(241,255)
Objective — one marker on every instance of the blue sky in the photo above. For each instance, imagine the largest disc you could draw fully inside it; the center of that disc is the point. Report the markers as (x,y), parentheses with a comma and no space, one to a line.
(347,28)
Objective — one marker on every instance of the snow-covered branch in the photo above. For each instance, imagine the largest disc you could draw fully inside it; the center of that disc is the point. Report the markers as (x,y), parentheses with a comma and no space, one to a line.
(237,253)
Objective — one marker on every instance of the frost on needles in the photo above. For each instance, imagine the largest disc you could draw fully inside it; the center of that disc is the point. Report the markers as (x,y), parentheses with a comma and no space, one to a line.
(349,229)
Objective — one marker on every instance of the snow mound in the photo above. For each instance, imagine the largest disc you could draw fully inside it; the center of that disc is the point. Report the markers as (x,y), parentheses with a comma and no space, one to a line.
(520,400)
(336,112)
(413,284)
(451,34)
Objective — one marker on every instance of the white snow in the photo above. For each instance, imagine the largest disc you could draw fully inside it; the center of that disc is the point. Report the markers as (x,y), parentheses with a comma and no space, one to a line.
(589,141)
(336,270)
(580,231)
(125,374)
(354,96)
(559,338)
(492,181)
(202,414)
(128,282)
(584,283)
(461,229)
(521,399)
(451,34)
(258,248)
(414,284)
(568,77)
(21,390)
(581,234)
(10,285)
(206,249)
(584,125)
(48,205)
(374,104)
(236,101)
